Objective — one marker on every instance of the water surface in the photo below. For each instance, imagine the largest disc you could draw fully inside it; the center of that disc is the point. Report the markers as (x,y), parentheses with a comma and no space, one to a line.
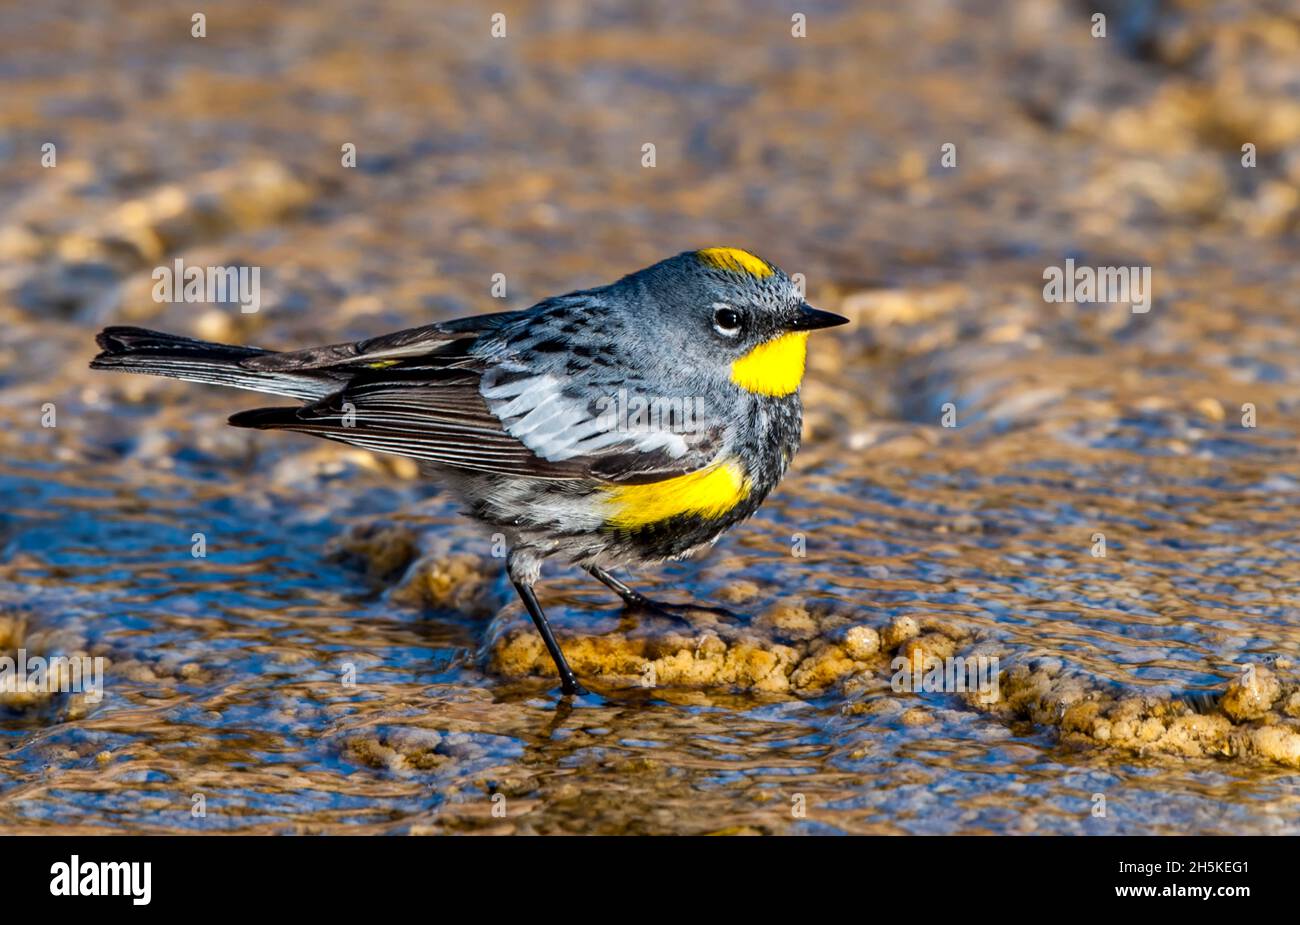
(285,686)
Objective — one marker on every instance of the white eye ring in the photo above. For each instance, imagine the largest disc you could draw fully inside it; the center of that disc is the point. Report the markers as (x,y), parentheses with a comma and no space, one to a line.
(725,330)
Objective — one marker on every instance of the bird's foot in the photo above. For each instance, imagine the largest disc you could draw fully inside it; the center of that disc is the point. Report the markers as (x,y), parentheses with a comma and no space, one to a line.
(678,613)
(569,687)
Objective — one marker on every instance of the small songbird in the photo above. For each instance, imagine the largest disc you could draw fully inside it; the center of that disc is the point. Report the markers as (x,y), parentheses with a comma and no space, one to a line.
(623,425)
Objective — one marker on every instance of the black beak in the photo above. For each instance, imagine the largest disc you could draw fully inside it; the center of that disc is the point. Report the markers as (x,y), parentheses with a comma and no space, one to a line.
(810,319)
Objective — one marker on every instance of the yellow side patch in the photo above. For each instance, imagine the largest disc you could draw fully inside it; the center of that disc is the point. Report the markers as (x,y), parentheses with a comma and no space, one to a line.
(774,367)
(736,260)
(382,364)
(708,492)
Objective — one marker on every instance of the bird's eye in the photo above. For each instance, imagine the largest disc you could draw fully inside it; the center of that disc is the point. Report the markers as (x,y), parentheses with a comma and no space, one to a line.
(727,321)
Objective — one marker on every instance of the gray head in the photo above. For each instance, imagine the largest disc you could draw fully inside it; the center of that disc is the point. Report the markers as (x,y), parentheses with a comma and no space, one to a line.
(726,309)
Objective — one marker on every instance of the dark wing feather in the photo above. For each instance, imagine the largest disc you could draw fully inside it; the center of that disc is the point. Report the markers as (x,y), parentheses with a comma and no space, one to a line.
(436,416)
(420,393)
(416,393)
(440,338)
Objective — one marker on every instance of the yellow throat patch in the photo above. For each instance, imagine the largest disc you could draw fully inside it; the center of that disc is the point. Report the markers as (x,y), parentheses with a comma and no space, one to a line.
(735,260)
(774,367)
(708,492)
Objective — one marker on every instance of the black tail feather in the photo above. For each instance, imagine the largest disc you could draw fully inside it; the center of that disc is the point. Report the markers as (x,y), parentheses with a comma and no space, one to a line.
(264,418)
(156,353)
(121,345)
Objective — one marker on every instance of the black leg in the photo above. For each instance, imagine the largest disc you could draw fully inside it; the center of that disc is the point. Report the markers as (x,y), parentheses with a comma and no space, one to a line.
(568,680)
(637,599)
(630,597)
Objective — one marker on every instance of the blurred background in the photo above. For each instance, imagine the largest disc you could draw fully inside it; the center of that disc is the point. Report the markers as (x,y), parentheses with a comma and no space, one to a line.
(523,155)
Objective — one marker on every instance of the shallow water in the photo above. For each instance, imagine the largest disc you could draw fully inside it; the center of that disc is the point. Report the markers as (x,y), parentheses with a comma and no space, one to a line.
(230,676)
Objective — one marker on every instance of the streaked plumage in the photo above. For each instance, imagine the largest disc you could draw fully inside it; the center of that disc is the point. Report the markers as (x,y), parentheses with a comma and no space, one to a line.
(524,413)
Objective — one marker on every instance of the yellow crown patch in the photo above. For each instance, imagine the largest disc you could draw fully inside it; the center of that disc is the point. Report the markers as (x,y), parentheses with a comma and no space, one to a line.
(735,260)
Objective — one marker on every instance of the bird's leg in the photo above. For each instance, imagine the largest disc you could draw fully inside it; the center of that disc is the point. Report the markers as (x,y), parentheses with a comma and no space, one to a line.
(630,597)
(568,680)
(523,568)
(636,599)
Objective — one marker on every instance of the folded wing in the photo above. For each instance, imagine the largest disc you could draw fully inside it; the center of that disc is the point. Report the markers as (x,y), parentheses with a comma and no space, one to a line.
(439,395)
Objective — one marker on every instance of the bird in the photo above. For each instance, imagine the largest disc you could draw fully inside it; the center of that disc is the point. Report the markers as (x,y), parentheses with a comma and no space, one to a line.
(619,426)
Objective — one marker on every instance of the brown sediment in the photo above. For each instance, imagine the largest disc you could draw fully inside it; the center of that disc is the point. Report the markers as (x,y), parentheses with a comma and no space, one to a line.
(402,749)
(1247,722)
(787,649)
(74,256)
(383,551)
(56,696)
(790,649)
(461,583)
(420,568)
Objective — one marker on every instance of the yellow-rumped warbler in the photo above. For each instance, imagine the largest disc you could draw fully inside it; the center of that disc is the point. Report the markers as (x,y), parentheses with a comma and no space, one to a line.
(627,424)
